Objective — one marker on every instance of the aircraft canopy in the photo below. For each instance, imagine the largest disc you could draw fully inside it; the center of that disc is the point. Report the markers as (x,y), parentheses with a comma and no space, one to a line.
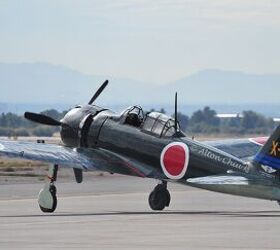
(159,124)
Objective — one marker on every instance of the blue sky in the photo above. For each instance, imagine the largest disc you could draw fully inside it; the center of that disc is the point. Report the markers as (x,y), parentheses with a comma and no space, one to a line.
(154,41)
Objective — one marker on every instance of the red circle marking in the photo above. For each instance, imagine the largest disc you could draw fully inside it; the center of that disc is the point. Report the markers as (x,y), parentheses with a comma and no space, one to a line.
(174,160)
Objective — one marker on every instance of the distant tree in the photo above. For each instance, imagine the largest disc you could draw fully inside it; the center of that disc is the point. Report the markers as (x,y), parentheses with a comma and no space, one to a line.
(3,121)
(15,125)
(210,117)
(204,121)
(6,132)
(53,113)
(235,122)
(253,122)
(231,125)
(44,131)
(183,121)
(162,110)
(207,116)
(10,120)
(21,132)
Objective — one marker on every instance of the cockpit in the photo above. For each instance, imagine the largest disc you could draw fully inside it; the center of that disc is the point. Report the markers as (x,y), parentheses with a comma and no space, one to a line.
(153,123)
(159,124)
(133,116)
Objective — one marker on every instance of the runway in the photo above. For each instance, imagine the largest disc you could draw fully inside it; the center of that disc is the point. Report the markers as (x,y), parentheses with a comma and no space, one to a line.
(113,213)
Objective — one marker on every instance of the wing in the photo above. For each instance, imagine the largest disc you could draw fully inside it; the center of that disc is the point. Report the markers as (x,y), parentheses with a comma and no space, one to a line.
(219,180)
(82,158)
(49,153)
(241,148)
(238,184)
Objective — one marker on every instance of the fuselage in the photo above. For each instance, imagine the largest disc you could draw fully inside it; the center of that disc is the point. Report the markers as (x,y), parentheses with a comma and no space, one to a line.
(95,127)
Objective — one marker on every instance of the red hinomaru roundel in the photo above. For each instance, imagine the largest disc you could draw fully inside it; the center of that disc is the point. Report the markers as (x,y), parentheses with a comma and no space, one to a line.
(174,160)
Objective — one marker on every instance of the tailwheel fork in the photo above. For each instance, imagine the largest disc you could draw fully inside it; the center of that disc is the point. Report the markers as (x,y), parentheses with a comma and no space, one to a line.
(160,197)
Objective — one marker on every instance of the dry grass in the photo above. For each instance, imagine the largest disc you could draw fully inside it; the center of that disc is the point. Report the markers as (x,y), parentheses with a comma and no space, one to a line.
(18,163)
(22,168)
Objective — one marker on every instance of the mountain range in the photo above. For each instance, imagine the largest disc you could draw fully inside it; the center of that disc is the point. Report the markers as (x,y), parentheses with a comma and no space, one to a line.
(48,84)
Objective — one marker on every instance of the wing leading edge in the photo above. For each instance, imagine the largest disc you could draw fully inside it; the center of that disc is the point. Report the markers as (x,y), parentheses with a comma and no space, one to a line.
(81,158)
(49,153)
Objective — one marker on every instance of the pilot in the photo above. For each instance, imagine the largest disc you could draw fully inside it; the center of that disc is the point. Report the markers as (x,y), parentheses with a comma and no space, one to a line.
(133,120)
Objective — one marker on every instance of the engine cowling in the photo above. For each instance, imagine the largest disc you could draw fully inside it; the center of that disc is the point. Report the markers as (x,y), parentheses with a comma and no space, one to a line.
(76,124)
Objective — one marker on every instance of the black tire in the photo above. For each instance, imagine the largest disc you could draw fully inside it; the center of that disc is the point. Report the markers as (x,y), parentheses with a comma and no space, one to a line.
(159,198)
(168,198)
(47,210)
(161,188)
(53,190)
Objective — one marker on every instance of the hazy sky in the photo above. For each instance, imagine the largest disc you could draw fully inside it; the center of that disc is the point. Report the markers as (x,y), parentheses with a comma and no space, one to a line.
(156,41)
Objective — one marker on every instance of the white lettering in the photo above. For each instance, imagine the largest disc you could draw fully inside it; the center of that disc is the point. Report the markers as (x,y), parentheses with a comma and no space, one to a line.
(222,159)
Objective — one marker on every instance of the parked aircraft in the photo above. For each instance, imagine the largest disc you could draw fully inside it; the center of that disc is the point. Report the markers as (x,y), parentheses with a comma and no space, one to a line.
(151,145)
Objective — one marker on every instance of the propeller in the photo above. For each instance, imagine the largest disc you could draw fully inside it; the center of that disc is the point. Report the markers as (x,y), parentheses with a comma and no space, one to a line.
(98,92)
(46,120)
(43,119)
(176,113)
(178,132)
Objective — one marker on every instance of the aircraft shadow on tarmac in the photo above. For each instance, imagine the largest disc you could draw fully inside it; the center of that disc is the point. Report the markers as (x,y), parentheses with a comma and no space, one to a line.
(255,214)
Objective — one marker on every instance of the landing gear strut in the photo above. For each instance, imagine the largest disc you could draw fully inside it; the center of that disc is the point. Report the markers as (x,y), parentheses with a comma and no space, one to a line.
(159,198)
(47,199)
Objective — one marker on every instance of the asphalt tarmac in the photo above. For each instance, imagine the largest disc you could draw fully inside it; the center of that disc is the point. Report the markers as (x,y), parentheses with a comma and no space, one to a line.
(113,213)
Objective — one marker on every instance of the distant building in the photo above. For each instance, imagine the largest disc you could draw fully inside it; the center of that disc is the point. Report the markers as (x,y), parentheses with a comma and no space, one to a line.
(225,116)
(229,116)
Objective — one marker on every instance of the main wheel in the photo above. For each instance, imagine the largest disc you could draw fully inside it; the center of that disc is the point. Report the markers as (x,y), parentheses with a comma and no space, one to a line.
(47,199)
(159,198)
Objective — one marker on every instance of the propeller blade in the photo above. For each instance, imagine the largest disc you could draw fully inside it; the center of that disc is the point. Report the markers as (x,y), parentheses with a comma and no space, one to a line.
(43,119)
(176,113)
(98,92)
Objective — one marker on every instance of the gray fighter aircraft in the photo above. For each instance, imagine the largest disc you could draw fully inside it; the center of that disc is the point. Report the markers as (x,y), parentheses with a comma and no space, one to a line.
(151,146)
